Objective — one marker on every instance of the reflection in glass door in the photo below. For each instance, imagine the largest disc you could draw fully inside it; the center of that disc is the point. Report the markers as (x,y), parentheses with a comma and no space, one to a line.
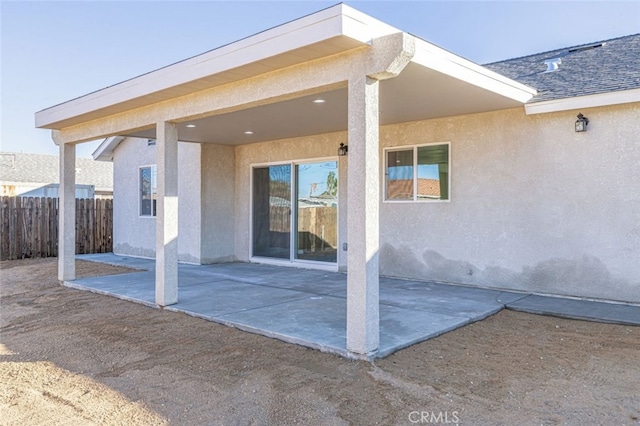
(272,211)
(316,219)
(314,216)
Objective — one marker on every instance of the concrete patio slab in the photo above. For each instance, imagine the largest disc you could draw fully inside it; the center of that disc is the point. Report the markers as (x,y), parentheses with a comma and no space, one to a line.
(308,307)
(135,287)
(224,297)
(578,309)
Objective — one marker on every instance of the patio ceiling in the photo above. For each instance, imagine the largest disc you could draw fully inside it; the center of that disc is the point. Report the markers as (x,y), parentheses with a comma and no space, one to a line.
(419,93)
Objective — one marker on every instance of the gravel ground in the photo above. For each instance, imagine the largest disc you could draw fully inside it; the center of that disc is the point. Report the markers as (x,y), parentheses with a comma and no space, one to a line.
(71,357)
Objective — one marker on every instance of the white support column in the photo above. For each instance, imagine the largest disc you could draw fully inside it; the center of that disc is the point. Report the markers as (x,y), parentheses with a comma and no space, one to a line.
(67,213)
(167,214)
(363,318)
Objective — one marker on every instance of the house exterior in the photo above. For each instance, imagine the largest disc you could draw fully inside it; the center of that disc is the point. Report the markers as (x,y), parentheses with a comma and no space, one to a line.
(36,175)
(453,171)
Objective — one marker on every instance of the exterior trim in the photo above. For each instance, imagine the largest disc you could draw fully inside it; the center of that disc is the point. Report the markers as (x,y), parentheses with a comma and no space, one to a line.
(589,101)
(104,152)
(339,28)
(438,59)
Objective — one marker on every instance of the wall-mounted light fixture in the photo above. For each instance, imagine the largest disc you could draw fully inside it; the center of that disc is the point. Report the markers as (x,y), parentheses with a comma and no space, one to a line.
(343,149)
(581,123)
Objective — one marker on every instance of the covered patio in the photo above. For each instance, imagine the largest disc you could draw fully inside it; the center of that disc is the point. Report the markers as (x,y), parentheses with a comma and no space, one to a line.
(301,306)
(368,73)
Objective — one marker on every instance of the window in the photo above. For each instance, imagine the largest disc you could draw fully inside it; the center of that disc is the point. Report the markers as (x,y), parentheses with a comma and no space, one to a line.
(417,173)
(148,191)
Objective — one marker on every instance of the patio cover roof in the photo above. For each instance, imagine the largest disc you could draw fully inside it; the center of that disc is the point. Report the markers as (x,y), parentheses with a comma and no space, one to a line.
(435,84)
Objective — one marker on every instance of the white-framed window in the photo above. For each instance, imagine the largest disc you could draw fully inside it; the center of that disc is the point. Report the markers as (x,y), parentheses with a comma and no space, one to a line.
(417,173)
(148,190)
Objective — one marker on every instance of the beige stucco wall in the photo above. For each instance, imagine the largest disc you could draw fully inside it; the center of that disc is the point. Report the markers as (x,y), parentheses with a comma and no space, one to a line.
(534,205)
(135,235)
(218,204)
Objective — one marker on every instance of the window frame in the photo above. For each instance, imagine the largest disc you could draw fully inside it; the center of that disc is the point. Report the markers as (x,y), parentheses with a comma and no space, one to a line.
(292,261)
(414,149)
(154,190)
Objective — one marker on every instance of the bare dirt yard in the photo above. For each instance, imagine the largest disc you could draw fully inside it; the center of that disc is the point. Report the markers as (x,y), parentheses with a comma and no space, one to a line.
(71,357)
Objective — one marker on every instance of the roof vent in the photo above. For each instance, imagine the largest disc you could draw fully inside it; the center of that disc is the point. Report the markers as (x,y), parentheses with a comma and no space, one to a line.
(553,64)
(587,47)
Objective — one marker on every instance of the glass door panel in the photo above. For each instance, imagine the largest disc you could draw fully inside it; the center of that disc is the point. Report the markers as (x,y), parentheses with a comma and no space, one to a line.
(272,211)
(317,211)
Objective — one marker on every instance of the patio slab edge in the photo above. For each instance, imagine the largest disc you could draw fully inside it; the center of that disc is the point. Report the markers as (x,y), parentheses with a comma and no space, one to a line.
(274,335)
(76,286)
(578,309)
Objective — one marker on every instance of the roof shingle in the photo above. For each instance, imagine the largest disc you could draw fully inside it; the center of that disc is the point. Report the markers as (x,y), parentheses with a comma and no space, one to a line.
(588,69)
(39,168)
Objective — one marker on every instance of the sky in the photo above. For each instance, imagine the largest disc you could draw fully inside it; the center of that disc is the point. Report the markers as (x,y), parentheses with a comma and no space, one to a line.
(54,51)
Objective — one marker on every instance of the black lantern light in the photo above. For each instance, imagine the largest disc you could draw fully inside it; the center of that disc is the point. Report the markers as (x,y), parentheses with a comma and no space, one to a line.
(343,149)
(581,123)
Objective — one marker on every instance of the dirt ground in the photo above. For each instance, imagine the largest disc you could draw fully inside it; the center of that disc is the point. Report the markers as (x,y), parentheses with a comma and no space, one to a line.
(71,357)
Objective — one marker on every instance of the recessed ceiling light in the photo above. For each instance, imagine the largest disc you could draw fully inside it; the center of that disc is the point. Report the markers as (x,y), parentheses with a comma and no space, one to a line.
(319,101)
(248,132)
(190,125)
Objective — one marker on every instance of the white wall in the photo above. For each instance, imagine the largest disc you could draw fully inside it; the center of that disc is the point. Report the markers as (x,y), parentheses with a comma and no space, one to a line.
(135,235)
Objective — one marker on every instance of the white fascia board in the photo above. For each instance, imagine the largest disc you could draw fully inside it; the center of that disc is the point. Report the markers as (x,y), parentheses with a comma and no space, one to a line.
(104,152)
(441,60)
(588,101)
(363,27)
(339,20)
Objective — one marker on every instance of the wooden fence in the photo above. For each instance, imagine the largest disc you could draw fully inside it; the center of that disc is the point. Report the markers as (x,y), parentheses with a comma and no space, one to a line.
(317,226)
(29,227)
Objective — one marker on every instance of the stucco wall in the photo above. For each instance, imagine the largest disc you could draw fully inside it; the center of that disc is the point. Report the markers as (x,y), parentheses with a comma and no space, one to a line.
(534,205)
(218,204)
(135,235)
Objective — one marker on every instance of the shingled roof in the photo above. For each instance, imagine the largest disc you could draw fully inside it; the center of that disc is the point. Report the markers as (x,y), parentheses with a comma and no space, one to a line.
(39,168)
(588,69)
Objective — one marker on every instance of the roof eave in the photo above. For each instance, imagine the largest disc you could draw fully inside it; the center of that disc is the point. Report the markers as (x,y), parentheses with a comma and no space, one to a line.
(436,58)
(104,152)
(587,101)
(339,28)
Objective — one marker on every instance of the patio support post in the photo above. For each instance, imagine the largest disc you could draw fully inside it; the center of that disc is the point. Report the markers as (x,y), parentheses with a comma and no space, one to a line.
(363,216)
(167,214)
(67,213)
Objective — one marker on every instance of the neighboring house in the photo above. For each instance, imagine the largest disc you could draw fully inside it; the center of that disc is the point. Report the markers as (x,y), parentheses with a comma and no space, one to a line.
(36,175)
(455,172)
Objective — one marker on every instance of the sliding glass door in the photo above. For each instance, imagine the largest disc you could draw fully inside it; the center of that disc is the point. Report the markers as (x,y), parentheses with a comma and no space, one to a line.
(317,211)
(299,197)
(272,211)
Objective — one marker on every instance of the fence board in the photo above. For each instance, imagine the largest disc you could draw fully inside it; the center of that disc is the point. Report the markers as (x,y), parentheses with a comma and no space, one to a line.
(29,227)
(4,237)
